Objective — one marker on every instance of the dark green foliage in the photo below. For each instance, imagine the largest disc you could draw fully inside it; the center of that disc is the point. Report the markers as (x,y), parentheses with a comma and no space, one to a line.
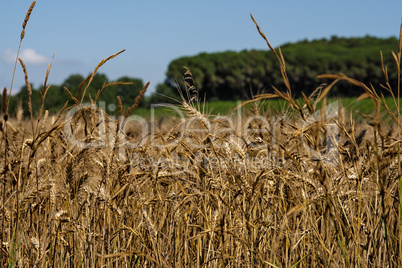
(164,94)
(57,95)
(128,93)
(229,75)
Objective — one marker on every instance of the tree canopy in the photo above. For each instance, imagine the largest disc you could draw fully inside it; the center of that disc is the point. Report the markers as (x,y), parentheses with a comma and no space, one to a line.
(57,95)
(229,75)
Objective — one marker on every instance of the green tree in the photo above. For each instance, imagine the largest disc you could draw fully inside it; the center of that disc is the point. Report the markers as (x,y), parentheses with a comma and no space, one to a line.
(72,84)
(227,75)
(128,93)
(164,93)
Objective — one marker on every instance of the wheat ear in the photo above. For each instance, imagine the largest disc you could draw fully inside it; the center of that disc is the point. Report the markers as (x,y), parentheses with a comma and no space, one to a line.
(29,89)
(24,25)
(94,72)
(137,100)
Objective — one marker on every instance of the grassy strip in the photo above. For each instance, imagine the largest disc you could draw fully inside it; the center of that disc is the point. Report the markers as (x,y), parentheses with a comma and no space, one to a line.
(272,106)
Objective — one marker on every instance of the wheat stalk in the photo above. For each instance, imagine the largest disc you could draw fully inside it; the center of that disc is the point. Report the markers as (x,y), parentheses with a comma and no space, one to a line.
(24,24)
(119,106)
(137,100)
(91,76)
(29,89)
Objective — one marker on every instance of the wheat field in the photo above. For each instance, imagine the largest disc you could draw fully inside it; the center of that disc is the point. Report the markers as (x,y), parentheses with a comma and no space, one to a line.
(305,187)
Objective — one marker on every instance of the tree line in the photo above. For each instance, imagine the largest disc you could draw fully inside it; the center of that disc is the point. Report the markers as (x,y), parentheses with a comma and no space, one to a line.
(57,95)
(234,75)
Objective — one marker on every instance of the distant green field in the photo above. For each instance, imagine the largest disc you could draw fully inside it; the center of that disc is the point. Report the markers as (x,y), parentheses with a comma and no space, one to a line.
(272,106)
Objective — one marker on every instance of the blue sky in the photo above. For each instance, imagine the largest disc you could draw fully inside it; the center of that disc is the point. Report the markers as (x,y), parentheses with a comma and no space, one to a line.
(81,33)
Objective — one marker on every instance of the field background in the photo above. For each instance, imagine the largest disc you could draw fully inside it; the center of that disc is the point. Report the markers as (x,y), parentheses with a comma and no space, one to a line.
(293,182)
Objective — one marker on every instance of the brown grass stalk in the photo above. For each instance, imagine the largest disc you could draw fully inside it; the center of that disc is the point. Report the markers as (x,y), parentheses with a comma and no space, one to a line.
(90,77)
(29,89)
(137,100)
(24,24)
(278,189)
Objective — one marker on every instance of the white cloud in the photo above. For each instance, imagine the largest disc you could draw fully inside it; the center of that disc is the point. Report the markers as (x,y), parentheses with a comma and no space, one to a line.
(28,55)
(8,56)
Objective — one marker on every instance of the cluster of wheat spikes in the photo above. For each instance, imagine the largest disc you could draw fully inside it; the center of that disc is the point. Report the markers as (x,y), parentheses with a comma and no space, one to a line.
(292,193)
